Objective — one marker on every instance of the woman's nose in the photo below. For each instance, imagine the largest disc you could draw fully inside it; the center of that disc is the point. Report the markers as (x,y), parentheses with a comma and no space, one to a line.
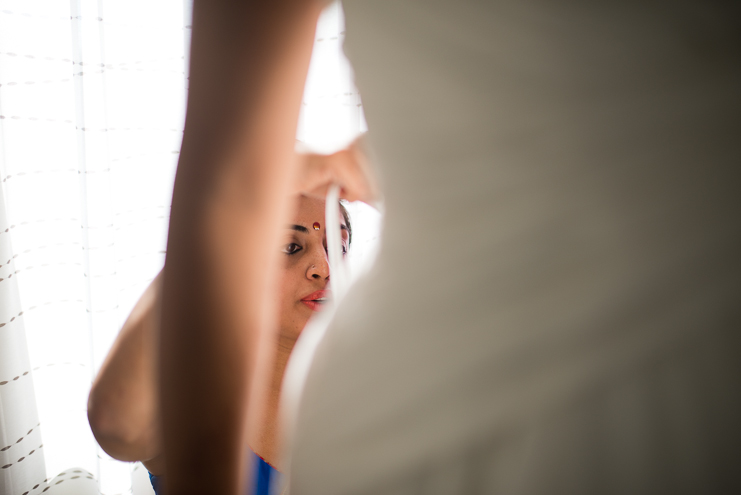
(319,268)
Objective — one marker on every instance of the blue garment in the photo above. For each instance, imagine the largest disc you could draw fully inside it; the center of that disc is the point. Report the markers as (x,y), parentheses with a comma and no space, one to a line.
(262,476)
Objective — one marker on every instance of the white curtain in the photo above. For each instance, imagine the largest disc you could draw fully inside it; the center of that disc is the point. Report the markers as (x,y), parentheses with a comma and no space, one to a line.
(92,100)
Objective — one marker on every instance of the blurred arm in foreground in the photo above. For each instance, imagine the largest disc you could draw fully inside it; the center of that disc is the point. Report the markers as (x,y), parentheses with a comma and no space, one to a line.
(248,66)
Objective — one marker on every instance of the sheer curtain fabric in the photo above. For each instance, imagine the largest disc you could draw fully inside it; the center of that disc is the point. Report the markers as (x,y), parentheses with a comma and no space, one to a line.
(92,105)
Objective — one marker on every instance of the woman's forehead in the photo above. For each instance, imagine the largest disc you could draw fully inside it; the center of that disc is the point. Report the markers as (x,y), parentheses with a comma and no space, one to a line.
(308,208)
(310,211)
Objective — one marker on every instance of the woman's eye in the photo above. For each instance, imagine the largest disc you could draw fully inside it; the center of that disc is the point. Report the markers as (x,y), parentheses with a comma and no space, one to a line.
(291,248)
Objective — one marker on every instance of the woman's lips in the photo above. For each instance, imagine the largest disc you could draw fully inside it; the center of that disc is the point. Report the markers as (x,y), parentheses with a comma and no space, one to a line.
(317,299)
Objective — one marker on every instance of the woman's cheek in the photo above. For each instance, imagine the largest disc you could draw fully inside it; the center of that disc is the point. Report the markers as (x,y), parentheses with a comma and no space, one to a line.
(289,288)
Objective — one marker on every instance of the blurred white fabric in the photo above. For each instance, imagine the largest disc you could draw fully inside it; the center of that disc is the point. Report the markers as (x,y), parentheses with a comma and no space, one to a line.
(555,306)
(92,105)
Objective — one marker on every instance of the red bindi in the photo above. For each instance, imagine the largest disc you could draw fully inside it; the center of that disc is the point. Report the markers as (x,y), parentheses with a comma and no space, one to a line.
(316,226)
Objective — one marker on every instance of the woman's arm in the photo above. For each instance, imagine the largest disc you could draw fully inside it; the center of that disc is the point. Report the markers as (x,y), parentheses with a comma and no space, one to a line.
(248,66)
(122,406)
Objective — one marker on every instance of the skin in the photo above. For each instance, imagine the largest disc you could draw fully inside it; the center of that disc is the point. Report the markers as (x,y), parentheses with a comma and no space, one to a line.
(305,269)
(351,168)
(236,168)
(248,67)
(123,407)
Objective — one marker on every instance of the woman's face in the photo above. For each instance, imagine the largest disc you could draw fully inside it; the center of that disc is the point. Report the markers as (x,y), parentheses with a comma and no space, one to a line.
(304,284)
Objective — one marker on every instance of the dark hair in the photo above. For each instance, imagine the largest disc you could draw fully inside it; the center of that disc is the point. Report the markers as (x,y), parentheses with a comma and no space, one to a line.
(346,216)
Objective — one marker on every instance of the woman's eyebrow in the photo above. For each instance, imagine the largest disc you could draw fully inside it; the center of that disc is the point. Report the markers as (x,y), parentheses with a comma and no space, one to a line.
(300,228)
